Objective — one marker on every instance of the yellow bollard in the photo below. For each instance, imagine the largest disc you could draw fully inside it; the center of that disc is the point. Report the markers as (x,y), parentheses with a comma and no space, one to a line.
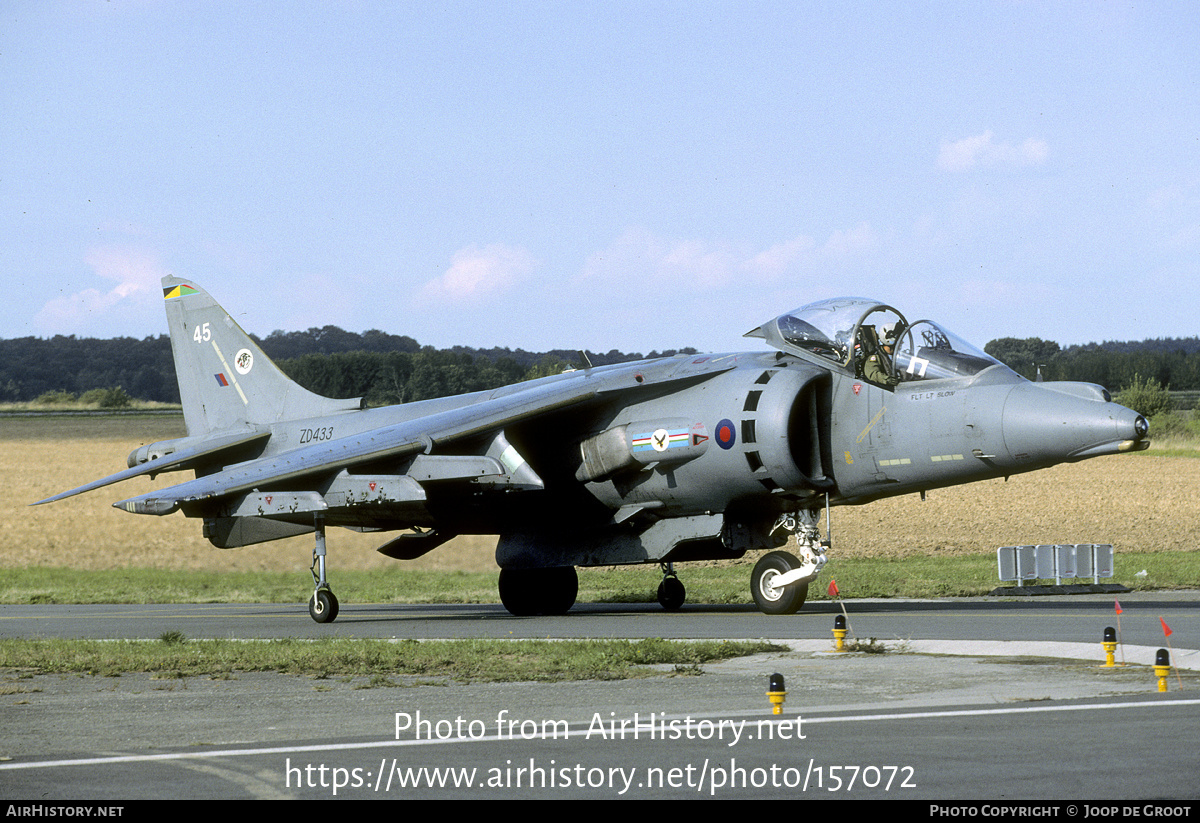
(1162,668)
(776,693)
(1110,646)
(839,633)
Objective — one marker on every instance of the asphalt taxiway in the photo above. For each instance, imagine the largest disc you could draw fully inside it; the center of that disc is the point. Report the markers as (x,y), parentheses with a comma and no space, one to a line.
(976,698)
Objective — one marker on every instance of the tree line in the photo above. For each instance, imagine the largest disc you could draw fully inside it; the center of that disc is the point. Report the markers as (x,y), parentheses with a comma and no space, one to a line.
(1172,363)
(386,368)
(383,368)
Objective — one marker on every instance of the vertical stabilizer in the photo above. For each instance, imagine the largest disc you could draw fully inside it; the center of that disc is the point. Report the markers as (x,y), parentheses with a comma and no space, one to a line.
(225,380)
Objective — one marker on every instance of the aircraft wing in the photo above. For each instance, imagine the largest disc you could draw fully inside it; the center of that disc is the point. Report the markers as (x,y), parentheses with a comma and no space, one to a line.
(185,458)
(418,435)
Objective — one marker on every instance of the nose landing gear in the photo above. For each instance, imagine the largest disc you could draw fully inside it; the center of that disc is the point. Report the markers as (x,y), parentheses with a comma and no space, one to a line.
(779,582)
(771,594)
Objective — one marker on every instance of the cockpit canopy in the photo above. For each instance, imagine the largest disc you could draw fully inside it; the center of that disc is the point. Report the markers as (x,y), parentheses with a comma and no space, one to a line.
(874,341)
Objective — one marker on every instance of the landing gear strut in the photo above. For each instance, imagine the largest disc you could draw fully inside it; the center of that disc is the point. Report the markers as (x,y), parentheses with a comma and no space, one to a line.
(322,606)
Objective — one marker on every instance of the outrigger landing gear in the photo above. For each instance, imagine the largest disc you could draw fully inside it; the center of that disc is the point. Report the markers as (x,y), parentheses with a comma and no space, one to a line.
(671,592)
(322,606)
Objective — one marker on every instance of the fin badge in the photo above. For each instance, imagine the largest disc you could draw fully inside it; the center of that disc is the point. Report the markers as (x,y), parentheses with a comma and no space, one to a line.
(243,361)
(182,290)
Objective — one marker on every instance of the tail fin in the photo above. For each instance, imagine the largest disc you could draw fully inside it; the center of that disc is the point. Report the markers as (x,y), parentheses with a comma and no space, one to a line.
(225,380)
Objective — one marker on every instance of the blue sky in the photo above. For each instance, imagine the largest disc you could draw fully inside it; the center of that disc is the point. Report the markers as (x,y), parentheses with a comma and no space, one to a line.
(601,175)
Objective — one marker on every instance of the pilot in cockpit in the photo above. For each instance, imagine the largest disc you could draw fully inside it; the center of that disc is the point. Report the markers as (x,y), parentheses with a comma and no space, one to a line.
(877,359)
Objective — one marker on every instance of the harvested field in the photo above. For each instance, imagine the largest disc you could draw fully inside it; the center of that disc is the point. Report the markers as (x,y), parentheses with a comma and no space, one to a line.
(1138,503)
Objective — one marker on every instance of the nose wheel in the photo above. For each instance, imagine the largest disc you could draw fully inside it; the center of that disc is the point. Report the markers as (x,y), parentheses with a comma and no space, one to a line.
(770,594)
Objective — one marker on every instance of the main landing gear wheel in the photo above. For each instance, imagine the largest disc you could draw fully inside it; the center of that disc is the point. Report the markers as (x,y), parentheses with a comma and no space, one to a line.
(671,593)
(768,598)
(526,592)
(323,606)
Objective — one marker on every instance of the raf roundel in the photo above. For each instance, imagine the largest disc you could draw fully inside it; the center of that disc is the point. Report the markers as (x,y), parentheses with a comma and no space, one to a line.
(726,434)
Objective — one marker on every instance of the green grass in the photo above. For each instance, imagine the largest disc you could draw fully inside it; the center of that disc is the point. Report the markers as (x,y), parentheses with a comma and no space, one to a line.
(74,405)
(919,576)
(173,656)
(1171,448)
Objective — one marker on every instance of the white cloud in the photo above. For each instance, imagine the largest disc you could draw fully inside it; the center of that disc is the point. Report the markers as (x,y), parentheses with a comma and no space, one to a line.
(803,252)
(638,259)
(843,244)
(136,273)
(778,259)
(982,150)
(478,272)
(698,262)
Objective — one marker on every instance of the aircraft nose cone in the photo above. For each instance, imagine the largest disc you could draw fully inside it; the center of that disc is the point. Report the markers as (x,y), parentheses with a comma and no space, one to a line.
(1141,428)
(1051,422)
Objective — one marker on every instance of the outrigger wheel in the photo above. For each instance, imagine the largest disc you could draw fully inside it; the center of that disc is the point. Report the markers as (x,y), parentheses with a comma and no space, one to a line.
(322,606)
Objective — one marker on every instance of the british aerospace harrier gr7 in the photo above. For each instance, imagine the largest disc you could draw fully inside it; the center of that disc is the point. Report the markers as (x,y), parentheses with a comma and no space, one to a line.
(693,457)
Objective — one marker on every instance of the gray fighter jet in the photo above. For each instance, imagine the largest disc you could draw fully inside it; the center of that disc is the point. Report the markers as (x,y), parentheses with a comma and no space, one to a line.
(694,457)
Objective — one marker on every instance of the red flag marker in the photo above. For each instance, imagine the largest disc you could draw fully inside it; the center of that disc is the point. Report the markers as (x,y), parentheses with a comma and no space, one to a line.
(1117,604)
(833,589)
(1166,629)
